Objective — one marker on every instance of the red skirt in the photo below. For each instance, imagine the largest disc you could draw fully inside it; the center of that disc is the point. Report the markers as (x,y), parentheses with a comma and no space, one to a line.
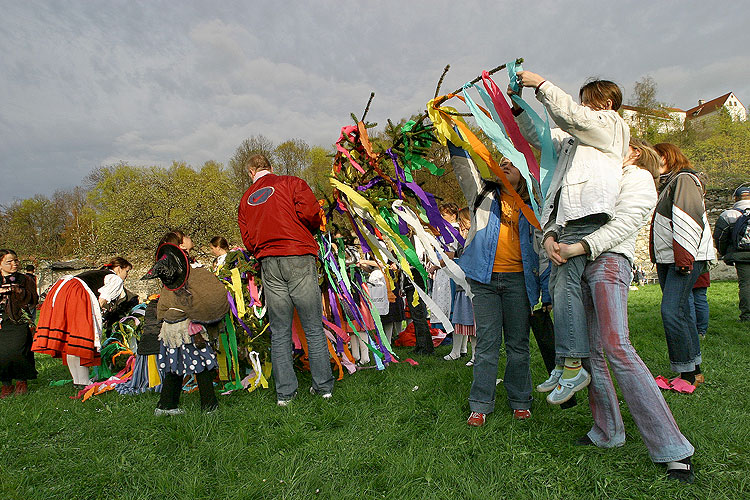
(68,326)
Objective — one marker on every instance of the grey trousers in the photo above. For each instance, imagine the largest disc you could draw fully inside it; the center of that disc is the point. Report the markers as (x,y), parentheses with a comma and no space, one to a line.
(289,283)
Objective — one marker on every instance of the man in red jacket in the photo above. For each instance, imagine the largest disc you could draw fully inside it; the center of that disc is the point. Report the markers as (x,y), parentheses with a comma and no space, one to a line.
(277,216)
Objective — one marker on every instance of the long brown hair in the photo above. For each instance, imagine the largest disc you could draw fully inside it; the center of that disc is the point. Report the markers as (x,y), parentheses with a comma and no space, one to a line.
(221,242)
(649,159)
(120,262)
(674,159)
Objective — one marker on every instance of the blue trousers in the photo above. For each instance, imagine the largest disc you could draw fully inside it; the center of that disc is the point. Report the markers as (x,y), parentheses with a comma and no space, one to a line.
(501,308)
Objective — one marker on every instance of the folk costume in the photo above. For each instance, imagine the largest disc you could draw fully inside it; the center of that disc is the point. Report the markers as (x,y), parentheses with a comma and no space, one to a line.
(190,299)
(16,358)
(70,321)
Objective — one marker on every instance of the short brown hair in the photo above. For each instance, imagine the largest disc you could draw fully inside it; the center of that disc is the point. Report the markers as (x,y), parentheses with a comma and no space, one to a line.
(597,92)
(649,159)
(674,159)
(258,162)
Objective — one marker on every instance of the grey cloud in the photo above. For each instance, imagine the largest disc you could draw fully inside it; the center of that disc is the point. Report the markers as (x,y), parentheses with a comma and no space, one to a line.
(84,84)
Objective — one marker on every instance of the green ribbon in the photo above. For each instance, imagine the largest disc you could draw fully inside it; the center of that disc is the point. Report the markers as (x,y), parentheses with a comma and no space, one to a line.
(416,143)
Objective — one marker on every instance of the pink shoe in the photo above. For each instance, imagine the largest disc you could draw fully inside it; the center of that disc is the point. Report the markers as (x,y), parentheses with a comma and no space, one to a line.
(663,383)
(682,386)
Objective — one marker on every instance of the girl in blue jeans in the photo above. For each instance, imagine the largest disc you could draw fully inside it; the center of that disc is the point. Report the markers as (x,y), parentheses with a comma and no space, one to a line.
(503,271)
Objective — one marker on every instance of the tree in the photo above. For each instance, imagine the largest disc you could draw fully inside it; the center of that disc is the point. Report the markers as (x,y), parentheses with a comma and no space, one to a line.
(256,144)
(292,157)
(644,93)
(319,170)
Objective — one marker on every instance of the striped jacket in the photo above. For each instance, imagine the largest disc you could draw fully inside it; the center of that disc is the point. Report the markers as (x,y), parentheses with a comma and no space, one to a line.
(680,233)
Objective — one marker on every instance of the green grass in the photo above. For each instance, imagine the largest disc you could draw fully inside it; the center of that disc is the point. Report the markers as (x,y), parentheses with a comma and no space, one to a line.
(379,438)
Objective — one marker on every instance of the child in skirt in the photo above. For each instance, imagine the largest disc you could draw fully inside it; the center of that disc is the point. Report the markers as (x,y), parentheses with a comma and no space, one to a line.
(462,315)
(190,299)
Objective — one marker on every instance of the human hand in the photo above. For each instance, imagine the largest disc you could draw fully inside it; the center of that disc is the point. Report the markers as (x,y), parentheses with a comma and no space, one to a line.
(546,307)
(568,251)
(684,270)
(528,79)
(199,341)
(553,251)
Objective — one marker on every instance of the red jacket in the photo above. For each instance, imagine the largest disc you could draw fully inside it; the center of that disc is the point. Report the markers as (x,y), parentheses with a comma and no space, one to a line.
(277,216)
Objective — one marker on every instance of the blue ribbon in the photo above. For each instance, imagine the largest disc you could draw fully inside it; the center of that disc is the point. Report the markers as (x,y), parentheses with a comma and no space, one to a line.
(548,161)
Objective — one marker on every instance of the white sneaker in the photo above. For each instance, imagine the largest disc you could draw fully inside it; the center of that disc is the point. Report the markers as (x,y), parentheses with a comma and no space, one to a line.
(159,412)
(283,402)
(551,382)
(325,395)
(566,387)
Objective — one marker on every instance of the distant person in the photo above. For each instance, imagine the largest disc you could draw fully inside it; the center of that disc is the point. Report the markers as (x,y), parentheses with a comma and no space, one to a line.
(441,282)
(680,245)
(17,294)
(732,238)
(462,310)
(219,249)
(277,216)
(70,320)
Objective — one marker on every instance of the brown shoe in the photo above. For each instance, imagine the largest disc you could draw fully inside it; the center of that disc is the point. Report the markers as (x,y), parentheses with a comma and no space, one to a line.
(699,379)
(22,387)
(7,390)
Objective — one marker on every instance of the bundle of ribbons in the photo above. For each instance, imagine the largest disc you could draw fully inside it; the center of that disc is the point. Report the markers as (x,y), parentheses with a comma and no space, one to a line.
(498,123)
(242,342)
(117,354)
(395,220)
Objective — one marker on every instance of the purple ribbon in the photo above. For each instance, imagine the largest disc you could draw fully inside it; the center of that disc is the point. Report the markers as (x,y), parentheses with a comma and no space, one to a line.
(233,307)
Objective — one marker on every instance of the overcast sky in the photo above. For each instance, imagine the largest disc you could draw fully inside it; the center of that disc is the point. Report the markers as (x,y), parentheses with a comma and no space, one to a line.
(91,83)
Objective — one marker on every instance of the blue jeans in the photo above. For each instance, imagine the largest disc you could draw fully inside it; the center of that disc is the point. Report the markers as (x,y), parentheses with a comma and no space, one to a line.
(683,343)
(699,309)
(605,294)
(571,340)
(289,283)
(501,307)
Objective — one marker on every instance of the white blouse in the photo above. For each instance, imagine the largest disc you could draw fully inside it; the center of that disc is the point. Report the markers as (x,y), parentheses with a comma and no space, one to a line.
(112,289)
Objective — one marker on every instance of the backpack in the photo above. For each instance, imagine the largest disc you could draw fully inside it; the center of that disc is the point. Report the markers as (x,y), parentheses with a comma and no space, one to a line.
(741,231)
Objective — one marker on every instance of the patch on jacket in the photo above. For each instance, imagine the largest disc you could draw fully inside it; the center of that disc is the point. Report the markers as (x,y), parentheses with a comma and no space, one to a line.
(260,196)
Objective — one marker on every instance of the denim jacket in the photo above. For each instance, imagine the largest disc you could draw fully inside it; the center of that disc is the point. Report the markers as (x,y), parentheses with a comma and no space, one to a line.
(478,255)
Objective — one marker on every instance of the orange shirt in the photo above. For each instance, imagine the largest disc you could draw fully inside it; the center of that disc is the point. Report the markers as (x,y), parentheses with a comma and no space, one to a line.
(508,252)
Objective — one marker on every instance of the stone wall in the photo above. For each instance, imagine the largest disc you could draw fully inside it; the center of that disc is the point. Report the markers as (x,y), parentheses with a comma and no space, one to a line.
(49,272)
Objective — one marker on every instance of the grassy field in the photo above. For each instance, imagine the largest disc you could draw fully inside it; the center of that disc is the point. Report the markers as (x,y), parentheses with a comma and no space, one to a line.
(400,433)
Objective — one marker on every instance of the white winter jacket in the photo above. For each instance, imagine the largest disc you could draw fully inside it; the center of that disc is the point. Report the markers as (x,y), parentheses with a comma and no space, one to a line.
(635,203)
(591,146)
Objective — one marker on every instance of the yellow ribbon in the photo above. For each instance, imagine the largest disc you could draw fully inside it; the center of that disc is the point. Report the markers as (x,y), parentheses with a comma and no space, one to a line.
(236,286)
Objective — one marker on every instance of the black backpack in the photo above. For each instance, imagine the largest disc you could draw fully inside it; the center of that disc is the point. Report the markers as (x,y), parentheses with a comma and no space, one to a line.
(741,231)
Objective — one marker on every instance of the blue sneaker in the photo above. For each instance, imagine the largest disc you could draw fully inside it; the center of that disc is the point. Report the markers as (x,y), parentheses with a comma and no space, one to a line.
(566,387)
(551,382)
